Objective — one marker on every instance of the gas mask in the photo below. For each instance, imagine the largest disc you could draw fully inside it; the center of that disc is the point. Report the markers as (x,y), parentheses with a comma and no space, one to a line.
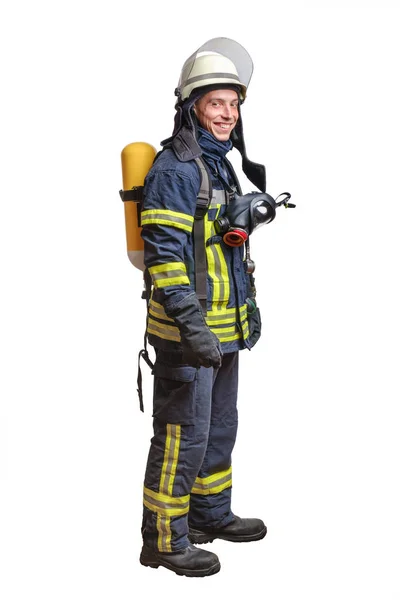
(246,213)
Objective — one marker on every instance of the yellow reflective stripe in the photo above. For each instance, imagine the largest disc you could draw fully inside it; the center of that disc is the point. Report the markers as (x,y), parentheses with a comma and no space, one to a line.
(183,280)
(215,477)
(169,274)
(172,266)
(165,212)
(227,334)
(217,268)
(164,500)
(156,305)
(228,316)
(164,531)
(171,452)
(175,458)
(165,461)
(213,484)
(157,310)
(243,310)
(244,322)
(225,320)
(214,490)
(221,317)
(164,510)
(167,217)
(171,332)
(224,272)
(216,312)
(166,332)
(168,472)
(209,230)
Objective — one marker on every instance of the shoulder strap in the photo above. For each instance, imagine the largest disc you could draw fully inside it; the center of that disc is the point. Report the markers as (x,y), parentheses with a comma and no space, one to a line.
(203,202)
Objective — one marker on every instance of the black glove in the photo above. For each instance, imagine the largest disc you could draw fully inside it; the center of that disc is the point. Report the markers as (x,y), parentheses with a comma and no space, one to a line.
(201,347)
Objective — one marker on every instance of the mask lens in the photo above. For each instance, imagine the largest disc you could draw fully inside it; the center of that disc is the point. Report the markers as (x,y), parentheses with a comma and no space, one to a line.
(261,213)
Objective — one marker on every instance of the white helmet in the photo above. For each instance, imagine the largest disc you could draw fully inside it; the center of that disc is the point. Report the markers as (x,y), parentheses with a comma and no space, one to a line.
(219,60)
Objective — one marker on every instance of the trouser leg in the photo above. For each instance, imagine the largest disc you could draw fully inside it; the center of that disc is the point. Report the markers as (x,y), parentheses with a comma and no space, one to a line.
(210,501)
(181,413)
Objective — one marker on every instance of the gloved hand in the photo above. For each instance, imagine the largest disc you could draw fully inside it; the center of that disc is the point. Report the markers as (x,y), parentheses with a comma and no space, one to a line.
(201,347)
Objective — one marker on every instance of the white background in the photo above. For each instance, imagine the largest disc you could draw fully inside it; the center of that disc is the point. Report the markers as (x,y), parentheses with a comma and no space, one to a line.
(318,448)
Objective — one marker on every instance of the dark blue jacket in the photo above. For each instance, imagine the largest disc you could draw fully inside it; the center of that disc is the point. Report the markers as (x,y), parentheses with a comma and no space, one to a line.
(170,195)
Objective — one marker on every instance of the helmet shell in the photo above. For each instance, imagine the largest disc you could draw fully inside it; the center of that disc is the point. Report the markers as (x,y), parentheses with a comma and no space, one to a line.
(218,61)
(209,69)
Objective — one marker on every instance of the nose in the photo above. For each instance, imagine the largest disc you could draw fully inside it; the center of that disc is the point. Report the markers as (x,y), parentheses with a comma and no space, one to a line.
(227,111)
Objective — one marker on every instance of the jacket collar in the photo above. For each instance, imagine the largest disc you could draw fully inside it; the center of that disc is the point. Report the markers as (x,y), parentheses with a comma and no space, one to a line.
(212,147)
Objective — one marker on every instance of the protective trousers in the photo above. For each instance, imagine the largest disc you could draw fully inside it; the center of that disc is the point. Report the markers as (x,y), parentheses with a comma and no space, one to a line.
(188,476)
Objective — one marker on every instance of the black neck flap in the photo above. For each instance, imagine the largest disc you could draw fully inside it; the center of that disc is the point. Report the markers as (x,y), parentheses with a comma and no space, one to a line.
(255,172)
(185,145)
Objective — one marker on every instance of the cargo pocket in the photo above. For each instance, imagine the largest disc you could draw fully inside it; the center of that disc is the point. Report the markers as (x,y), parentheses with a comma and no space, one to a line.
(174,393)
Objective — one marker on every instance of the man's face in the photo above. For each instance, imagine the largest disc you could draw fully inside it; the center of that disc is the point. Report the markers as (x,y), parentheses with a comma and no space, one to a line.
(218,112)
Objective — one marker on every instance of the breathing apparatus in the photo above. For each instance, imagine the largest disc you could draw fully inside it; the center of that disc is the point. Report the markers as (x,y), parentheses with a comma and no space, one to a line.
(219,63)
(246,213)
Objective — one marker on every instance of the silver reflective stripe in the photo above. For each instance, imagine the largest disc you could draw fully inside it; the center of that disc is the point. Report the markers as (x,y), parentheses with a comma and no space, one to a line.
(167,332)
(170,458)
(217,271)
(158,311)
(218,197)
(213,484)
(168,274)
(221,334)
(213,76)
(229,318)
(162,217)
(164,506)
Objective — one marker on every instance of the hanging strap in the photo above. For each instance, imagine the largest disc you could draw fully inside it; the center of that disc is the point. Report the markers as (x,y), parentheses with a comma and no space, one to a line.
(144,352)
(203,201)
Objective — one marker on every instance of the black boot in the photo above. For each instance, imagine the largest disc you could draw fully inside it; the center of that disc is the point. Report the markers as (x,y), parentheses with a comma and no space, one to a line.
(192,561)
(239,530)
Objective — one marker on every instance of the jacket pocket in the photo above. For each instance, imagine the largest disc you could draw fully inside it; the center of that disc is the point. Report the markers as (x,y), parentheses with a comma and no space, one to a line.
(174,393)
(254,321)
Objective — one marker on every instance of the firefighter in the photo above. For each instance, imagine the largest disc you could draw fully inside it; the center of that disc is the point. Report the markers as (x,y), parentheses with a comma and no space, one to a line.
(201,313)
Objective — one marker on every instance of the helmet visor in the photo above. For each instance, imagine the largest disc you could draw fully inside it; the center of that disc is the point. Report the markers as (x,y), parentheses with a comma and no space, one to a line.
(226,47)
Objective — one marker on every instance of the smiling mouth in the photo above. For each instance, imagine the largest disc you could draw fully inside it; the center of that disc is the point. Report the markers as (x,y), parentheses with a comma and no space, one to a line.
(224,125)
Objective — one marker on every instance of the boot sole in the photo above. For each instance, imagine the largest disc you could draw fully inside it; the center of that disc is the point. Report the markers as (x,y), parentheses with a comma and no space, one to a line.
(199,537)
(155,563)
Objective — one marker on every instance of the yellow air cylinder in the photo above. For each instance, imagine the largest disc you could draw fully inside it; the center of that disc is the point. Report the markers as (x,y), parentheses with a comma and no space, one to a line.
(136,161)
